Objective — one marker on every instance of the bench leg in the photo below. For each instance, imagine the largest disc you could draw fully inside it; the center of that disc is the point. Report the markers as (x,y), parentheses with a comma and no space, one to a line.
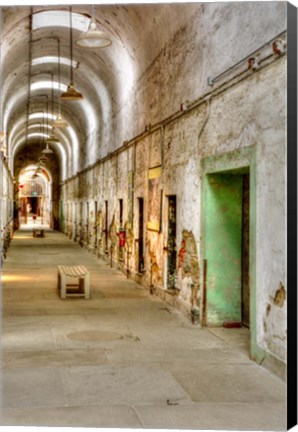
(87,285)
(63,286)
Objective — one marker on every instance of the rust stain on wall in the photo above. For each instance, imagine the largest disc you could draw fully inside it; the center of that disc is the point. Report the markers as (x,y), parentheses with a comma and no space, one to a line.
(280,296)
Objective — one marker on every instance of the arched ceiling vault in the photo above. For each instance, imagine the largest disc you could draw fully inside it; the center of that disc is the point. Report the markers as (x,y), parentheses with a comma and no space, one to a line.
(105,76)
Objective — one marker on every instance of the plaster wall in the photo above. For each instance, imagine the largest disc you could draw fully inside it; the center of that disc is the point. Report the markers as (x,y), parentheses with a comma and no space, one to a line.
(6,206)
(250,113)
(213,38)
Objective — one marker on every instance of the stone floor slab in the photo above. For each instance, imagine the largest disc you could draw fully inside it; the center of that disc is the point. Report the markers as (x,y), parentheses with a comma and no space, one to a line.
(54,358)
(120,385)
(64,366)
(32,388)
(103,416)
(229,383)
(222,416)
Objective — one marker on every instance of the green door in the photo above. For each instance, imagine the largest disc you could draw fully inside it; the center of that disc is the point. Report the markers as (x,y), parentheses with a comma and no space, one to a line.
(223,248)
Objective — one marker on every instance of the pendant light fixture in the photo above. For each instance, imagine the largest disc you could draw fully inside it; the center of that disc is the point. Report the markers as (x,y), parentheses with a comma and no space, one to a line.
(59,123)
(71,93)
(46,150)
(93,37)
(2,133)
(52,139)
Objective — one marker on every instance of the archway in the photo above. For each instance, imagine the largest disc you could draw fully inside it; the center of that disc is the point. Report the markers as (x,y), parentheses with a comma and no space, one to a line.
(35,196)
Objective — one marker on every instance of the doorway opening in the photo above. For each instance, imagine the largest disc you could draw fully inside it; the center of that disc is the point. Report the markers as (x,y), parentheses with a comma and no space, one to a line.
(141,236)
(106,229)
(227,248)
(35,192)
(171,243)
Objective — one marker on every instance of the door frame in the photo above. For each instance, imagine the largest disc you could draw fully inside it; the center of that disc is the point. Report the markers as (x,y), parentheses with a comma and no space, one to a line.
(236,160)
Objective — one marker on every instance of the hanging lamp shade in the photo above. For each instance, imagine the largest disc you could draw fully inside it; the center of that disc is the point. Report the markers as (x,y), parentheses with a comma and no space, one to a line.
(47,150)
(71,93)
(59,123)
(93,38)
(52,139)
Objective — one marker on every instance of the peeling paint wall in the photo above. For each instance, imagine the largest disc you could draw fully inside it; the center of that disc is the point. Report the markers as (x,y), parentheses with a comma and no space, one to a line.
(246,113)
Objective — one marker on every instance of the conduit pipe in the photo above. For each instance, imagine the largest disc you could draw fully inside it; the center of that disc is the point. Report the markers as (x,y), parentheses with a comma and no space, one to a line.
(212,80)
(229,83)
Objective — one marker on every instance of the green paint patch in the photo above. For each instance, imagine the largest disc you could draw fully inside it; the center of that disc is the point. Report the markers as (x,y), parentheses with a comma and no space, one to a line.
(223,208)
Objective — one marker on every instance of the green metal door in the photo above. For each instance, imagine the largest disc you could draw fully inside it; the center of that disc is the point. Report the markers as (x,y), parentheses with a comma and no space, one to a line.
(223,247)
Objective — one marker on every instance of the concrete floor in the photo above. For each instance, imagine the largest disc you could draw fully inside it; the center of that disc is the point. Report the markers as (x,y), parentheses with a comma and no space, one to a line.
(122,358)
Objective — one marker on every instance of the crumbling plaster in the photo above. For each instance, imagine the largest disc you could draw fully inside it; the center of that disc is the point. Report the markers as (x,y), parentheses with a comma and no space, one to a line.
(172,68)
(182,152)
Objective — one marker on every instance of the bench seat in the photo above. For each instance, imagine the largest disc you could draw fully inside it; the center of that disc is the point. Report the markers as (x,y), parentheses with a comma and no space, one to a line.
(82,288)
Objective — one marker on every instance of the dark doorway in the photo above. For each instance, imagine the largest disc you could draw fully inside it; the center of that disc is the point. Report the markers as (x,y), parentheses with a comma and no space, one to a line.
(95,224)
(141,235)
(106,226)
(171,245)
(121,213)
(87,223)
(75,222)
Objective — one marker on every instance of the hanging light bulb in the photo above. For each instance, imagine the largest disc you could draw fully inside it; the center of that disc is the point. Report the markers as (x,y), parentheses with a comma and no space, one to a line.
(71,93)
(59,123)
(52,139)
(47,149)
(93,38)
(38,168)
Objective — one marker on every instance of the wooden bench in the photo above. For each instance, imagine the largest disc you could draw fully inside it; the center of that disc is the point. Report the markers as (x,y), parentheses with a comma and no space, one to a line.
(82,287)
(38,232)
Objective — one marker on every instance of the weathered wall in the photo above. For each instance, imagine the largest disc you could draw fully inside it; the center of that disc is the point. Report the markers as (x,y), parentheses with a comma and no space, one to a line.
(213,38)
(6,206)
(248,112)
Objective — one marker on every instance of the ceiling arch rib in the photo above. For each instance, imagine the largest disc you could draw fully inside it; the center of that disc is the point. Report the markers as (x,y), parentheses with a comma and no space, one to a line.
(85,110)
(65,141)
(111,73)
(69,136)
(60,150)
(73,139)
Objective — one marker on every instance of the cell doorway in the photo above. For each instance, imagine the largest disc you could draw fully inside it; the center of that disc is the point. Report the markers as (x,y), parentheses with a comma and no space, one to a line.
(227,278)
(34,204)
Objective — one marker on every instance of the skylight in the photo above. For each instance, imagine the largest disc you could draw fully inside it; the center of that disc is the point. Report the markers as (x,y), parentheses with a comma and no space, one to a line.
(47,85)
(58,18)
(41,115)
(36,134)
(53,59)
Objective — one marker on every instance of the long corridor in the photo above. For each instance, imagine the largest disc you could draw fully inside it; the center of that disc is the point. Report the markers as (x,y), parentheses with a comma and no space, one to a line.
(122,358)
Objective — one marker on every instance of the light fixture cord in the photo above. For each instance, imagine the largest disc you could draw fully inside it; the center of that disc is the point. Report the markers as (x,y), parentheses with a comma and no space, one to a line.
(52,102)
(43,131)
(70,18)
(59,105)
(29,72)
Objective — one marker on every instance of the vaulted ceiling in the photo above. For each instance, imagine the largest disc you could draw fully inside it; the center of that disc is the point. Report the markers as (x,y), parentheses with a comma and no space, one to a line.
(159,54)
(105,76)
